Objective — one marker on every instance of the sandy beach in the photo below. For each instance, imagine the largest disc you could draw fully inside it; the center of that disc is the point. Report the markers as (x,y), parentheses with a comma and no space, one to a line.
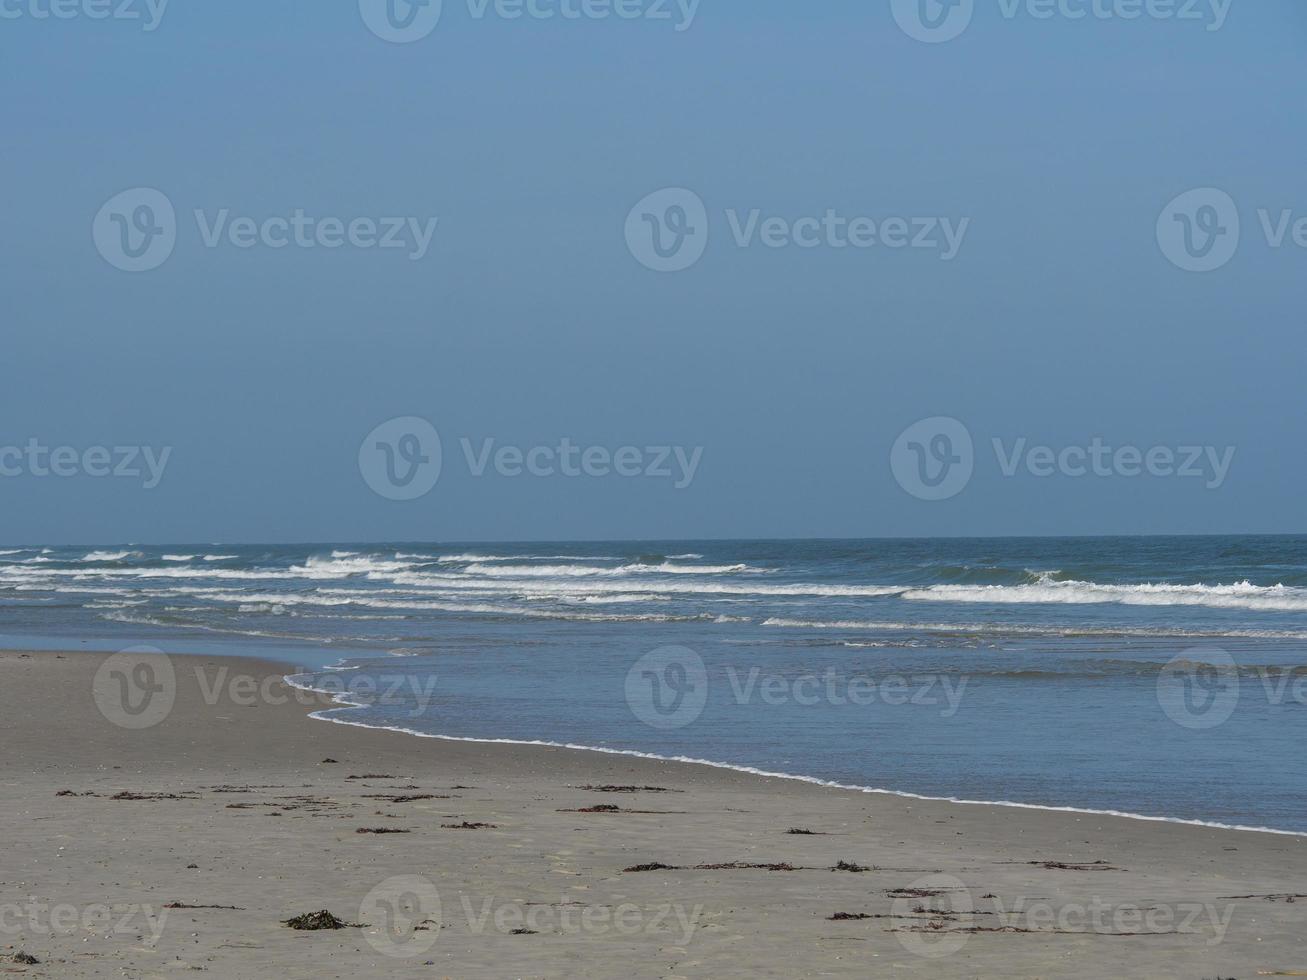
(185,845)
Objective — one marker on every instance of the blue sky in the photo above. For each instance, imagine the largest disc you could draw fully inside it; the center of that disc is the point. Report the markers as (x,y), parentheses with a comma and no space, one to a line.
(528,319)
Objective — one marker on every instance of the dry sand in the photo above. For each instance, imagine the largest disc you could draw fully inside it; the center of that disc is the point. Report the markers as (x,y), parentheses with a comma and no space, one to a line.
(255,819)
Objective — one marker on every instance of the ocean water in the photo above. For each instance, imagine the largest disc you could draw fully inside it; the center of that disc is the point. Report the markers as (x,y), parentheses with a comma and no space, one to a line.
(1157,676)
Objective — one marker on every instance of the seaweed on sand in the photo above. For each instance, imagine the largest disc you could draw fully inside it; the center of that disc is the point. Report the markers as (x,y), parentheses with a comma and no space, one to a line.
(311,921)
(850,866)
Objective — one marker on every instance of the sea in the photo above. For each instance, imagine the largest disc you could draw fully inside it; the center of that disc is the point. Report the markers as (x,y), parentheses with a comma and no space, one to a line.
(1164,677)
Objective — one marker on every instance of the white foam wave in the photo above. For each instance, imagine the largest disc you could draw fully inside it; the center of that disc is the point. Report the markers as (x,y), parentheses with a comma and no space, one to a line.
(343,564)
(1029,630)
(567,571)
(1242,595)
(373,601)
(597,584)
(665,568)
(539,571)
(178,557)
(109,555)
(475,557)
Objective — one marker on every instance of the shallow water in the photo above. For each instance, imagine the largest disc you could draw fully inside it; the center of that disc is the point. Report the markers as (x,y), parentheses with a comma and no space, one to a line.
(1147,675)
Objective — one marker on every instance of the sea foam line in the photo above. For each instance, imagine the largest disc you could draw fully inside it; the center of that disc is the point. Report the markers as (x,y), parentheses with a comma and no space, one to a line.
(344,703)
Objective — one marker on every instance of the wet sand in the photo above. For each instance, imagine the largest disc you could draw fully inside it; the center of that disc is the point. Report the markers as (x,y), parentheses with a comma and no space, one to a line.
(491,866)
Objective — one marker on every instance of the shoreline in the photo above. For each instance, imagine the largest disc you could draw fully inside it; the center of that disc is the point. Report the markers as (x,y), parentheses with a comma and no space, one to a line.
(342,704)
(299,669)
(533,851)
(339,703)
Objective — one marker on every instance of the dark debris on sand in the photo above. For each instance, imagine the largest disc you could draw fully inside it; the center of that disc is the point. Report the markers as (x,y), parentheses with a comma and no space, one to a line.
(609,808)
(465,825)
(26,959)
(1289,897)
(626,789)
(381,830)
(850,866)
(914,892)
(183,905)
(729,866)
(1059,866)
(311,921)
